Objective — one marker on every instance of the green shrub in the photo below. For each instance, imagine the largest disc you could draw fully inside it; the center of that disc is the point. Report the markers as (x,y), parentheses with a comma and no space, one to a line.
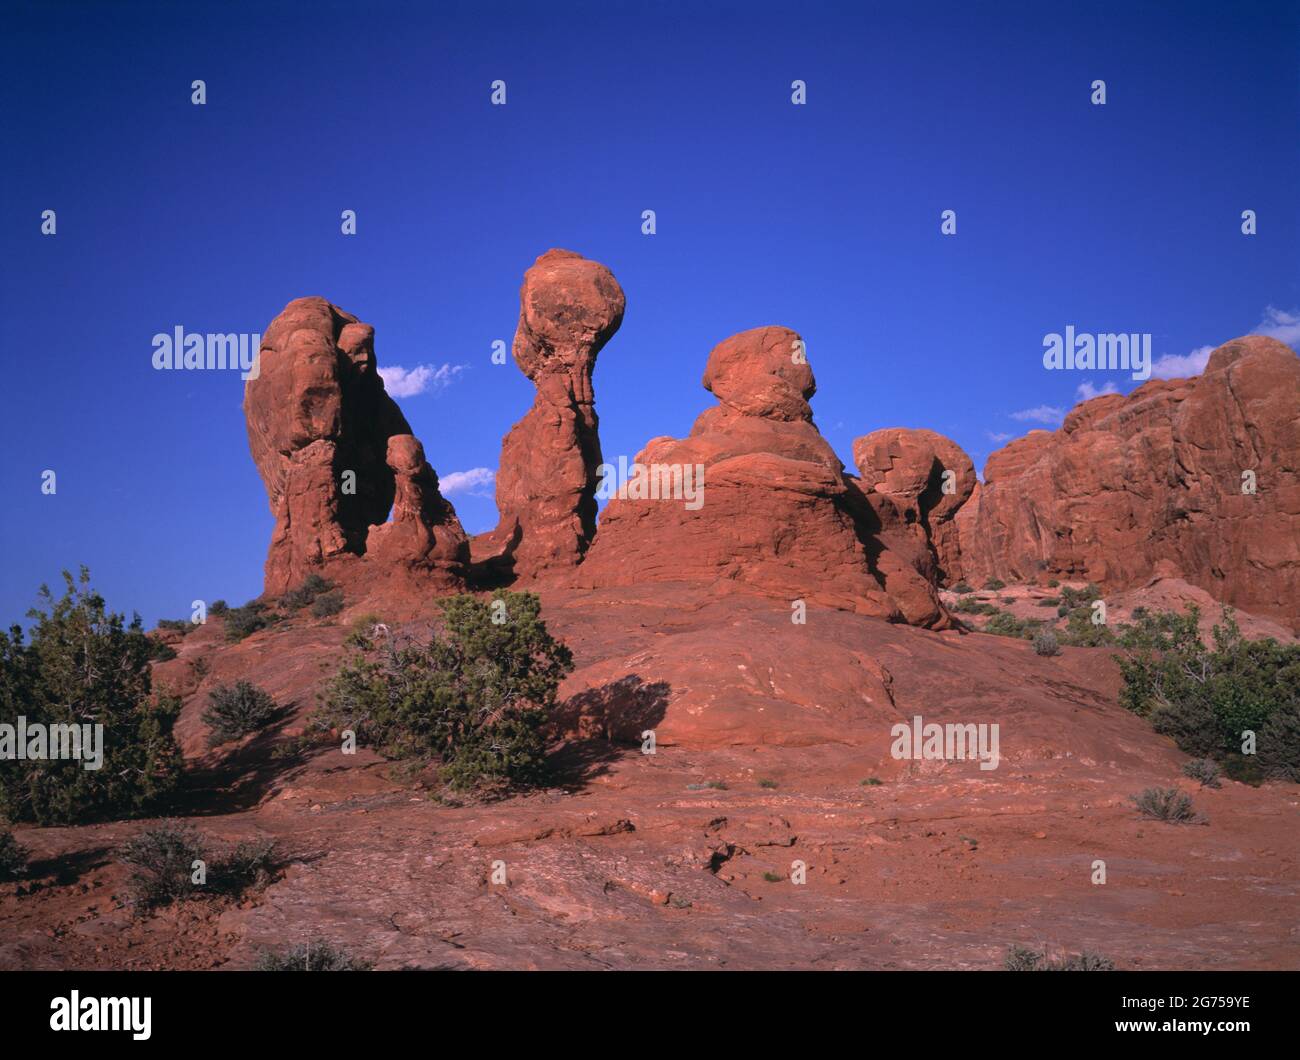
(363,630)
(1049,601)
(962,588)
(1005,624)
(1165,804)
(1020,959)
(327,604)
(244,621)
(773,877)
(1053,583)
(1045,643)
(1082,632)
(314,956)
(1206,698)
(177,625)
(766,782)
(162,861)
(219,607)
(160,651)
(1279,743)
(1203,770)
(85,665)
(968,605)
(313,586)
(474,698)
(1079,597)
(13,858)
(995,584)
(236,710)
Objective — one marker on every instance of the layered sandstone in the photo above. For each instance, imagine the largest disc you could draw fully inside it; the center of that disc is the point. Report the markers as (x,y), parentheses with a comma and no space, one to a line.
(335,453)
(766,502)
(1158,481)
(569,307)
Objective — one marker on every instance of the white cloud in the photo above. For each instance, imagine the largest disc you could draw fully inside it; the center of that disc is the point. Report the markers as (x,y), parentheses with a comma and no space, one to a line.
(1281,325)
(999,436)
(1087,391)
(1040,414)
(1181,365)
(407,382)
(474,481)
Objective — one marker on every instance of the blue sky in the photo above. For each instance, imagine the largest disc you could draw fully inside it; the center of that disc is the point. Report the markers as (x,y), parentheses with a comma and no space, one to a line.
(823,217)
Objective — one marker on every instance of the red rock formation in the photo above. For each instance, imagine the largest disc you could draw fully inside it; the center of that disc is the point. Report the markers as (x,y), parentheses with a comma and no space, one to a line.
(1154,478)
(316,410)
(928,477)
(546,482)
(775,510)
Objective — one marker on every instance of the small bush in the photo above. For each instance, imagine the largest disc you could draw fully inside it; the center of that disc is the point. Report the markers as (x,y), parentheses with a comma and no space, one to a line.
(247,866)
(236,710)
(994,584)
(767,783)
(162,860)
(13,858)
(314,956)
(1165,804)
(1206,697)
(872,782)
(312,587)
(1021,959)
(178,625)
(162,863)
(1005,624)
(160,651)
(1045,643)
(327,604)
(968,605)
(773,877)
(1049,601)
(244,621)
(219,607)
(962,588)
(1082,632)
(85,663)
(475,697)
(364,629)
(1053,583)
(1279,743)
(1203,770)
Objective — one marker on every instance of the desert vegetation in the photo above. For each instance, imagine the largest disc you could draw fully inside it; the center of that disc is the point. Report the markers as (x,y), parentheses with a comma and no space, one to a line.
(1210,698)
(472,699)
(86,665)
(172,862)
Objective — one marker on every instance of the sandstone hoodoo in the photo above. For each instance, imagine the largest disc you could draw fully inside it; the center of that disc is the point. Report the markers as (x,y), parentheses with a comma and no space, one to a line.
(776,511)
(569,307)
(335,453)
(929,478)
(1197,479)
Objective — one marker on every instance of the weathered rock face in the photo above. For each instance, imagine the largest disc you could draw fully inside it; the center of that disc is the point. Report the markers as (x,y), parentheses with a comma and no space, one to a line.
(756,495)
(929,478)
(317,410)
(1154,480)
(546,482)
